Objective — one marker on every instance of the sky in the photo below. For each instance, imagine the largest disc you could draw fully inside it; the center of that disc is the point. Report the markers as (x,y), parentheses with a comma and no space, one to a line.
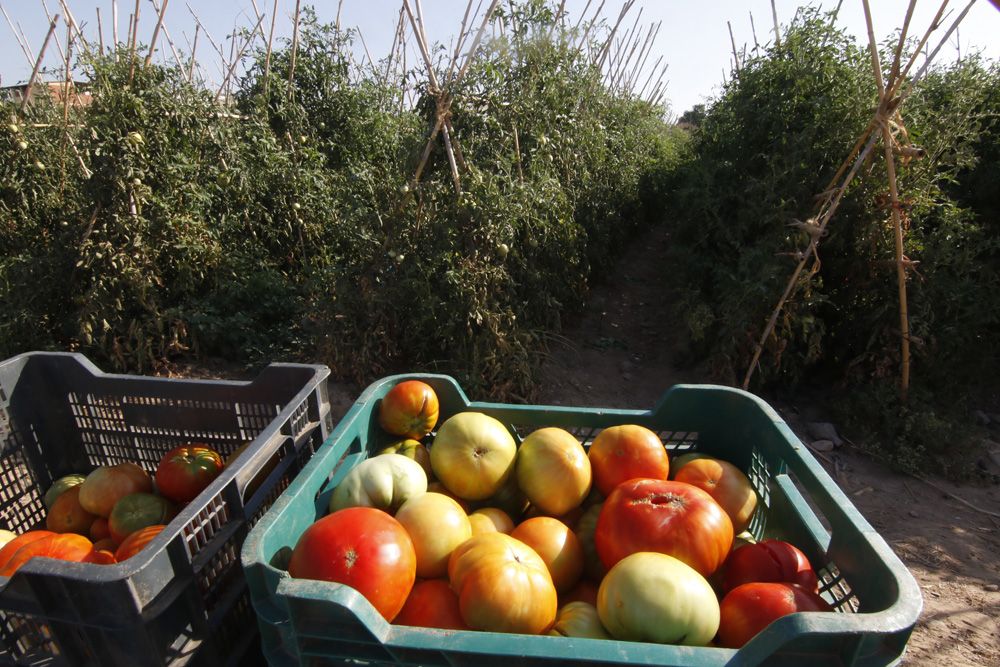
(694,38)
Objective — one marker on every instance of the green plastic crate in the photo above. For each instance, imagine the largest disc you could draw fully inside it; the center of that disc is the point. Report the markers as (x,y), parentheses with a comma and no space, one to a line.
(876,599)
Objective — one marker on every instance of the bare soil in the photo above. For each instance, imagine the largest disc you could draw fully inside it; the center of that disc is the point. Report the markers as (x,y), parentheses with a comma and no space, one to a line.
(615,356)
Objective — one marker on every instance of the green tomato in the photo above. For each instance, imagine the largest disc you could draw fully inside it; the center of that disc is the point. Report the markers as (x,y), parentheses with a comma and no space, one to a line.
(296,206)
(59,486)
(23,145)
(14,129)
(39,166)
(385,482)
(653,597)
(504,249)
(579,619)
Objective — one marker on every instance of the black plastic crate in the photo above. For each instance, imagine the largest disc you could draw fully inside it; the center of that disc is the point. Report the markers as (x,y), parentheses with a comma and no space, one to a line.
(182,599)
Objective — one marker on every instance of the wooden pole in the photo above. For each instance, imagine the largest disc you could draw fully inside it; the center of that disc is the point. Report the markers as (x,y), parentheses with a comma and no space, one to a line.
(267,56)
(736,58)
(295,48)
(17,38)
(156,33)
(897,224)
(194,52)
(774,15)
(114,26)
(132,41)
(38,62)
(235,61)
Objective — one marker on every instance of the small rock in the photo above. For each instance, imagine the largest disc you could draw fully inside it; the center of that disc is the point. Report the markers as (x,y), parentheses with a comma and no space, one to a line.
(824,431)
(627,377)
(823,445)
(914,514)
(991,588)
(982,419)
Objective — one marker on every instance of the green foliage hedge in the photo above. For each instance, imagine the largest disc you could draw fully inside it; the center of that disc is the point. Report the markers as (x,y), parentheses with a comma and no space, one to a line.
(766,147)
(283,225)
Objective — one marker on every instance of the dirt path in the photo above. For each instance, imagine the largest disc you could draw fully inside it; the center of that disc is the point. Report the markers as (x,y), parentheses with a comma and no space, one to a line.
(614,356)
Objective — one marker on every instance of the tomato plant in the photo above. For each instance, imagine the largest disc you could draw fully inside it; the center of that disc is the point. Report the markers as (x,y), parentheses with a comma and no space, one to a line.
(668,517)
(186,471)
(364,548)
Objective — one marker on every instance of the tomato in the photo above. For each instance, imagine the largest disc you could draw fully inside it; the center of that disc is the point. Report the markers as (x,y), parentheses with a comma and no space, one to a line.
(437,487)
(67,516)
(100,557)
(625,452)
(384,482)
(432,604)
(681,460)
(553,470)
(558,547)
(100,530)
(473,455)
(593,568)
(9,549)
(657,598)
(584,591)
(667,517)
(186,471)
(411,449)
(67,546)
(135,542)
(748,609)
(410,409)
(364,548)
(436,524)
(106,485)
(502,585)
(579,619)
(510,498)
(769,560)
(138,510)
(106,544)
(727,484)
(490,520)
(59,486)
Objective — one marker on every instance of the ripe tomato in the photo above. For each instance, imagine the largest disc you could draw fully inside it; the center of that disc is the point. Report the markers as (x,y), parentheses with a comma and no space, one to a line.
(364,548)
(654,597)
(9,549)
(410,409)
(553,470)
(432,604)
(66,546)
(502,585)
(667,517)
(436,524)
(100,530)
(135,542)
(411,449)
(557,545)
(185,471)
(106,485)
(769,560)
(67,516)
(593,568)
(100,557)
(748,609)
(727,484)
(490,520)
(579,619)
(585,591)
(625,452)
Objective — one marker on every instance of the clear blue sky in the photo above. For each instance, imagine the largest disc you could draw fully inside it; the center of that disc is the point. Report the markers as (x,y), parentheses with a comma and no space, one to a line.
(694,39)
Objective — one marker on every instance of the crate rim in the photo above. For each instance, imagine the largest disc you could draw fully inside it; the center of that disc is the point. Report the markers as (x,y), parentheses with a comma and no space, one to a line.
(92,572)
(901,615)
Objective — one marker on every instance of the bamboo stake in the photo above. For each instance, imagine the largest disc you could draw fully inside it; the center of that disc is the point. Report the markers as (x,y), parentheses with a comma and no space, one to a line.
(100,31)
(603,53)
(59,48)
(753,29)
(894,72)
(194,51)
(17,38)
(583,15)
(736,58)
(295,49)
(114,25)
(232,65)
(641,61)
(620,71)
(211,41)
(131,49)
(459,41)
(38,62)
(774,15)
(170,42)
(627,41)
(260,17)
(267,57)
(340,5)
(156,33)
(67,82)
(517,152)
(897,224)
(475,43)
(368,54)
(590,25)
(652,73)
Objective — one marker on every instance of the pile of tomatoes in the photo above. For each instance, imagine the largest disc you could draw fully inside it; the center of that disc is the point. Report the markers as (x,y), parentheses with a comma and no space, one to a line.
(111,513)
(474,532)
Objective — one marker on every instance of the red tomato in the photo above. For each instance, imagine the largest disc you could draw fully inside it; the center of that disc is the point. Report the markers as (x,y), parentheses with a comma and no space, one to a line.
(502,585)
(185,471)
(667,517)
(432,604)
(410,409)
(9,549)
(135,542)
(67,546)
(769,560)
(748,609)
(625,452)
(99,530)
(364,548)
(727,484)
(557,545)
(106,485)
